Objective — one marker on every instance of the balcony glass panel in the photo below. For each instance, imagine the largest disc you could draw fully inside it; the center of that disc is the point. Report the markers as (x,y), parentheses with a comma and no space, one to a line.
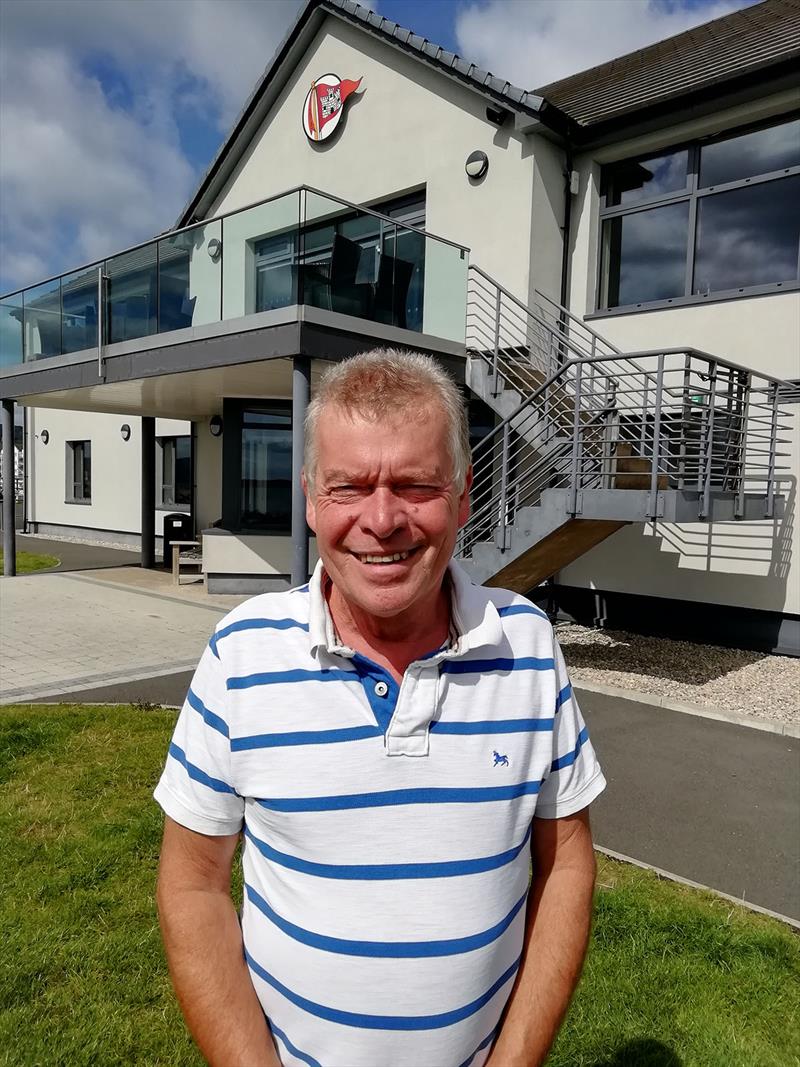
(11,317)
(189,278)
(259,269)
(132,294)
(42,318)
(79,310)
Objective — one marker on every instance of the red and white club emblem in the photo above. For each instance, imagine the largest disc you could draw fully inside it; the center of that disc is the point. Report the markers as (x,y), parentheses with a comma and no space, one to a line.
(324,103)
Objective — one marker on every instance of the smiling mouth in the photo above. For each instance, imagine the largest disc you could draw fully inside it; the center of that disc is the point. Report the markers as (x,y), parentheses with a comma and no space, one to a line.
(394,557)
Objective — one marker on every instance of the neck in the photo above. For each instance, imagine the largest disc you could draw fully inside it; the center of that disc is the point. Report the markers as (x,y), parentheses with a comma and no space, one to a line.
(397,641)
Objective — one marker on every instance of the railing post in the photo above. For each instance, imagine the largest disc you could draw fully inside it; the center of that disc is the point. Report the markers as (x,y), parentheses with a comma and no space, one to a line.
(576,441)
(501,533)
(653,504)
(742,448)
(496,359)
(708,448)
(773,446)
(686,411)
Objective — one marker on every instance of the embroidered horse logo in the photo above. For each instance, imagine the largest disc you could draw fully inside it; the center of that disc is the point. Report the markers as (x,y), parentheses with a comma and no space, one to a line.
(500,761)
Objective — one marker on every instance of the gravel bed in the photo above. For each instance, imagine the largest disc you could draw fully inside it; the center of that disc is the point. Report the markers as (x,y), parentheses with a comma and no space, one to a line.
(748,683)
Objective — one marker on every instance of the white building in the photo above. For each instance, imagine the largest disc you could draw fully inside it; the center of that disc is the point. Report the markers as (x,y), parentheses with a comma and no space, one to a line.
(656,197)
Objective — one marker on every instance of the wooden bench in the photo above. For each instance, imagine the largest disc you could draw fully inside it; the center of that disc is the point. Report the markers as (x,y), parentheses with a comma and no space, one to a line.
(186,556)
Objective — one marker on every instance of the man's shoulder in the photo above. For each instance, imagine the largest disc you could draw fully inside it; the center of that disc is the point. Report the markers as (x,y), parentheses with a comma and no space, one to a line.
(511,605)
(287,609)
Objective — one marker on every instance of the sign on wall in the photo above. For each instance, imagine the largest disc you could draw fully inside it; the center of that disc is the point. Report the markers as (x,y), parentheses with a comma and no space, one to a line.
(324,104)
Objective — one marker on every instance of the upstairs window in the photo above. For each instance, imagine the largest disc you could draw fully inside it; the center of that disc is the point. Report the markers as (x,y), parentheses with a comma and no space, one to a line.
(79,472)
(718,217)
(175,473)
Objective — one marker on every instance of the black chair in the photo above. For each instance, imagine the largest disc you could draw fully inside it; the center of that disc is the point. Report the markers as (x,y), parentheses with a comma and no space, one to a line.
(391,291)
(348,296)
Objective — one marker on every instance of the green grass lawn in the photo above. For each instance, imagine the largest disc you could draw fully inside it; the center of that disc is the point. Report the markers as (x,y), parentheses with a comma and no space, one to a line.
(675,978)
(27,562)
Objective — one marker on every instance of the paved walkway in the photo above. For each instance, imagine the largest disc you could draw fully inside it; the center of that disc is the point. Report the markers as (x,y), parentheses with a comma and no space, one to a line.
(61,632)
(713,802)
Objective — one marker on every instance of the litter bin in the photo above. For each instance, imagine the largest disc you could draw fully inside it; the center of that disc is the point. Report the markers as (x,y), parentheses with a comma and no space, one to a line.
(176,528)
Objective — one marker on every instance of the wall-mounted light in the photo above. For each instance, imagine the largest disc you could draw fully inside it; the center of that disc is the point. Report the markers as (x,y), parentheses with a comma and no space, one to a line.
(476,165)
(214,248)
(215,426)
(125,432)
(44,436)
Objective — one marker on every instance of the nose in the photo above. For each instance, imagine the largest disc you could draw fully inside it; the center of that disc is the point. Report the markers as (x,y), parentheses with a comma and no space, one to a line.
(383,514)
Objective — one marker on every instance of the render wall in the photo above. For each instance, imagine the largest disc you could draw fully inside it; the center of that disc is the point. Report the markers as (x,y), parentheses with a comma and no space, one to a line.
(753,565)
(116,467)
(409,128)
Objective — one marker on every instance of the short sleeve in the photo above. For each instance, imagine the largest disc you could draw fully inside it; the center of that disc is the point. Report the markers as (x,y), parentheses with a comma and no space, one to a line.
(196,788)
(575,777)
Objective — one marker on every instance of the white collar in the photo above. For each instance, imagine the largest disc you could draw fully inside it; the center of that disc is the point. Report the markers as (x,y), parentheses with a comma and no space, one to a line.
(474,616)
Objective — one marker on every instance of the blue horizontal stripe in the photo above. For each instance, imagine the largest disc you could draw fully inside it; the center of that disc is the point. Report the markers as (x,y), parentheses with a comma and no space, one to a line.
(256,624)
(305,737)
(521,609)
(384,1022)
(397,950)
(482,666)
(564,695)
(391,797)
(493,726)
(293,1049)
(570,757)
(386,872)
(198,775)
(209,717)
(327,674)
(486,1041)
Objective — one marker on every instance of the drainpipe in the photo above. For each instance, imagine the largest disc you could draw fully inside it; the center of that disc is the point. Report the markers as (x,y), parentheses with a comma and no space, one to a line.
(9,533)
(564,298)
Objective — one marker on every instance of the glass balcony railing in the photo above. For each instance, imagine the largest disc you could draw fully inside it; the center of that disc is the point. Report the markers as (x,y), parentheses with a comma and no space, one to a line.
(303,247)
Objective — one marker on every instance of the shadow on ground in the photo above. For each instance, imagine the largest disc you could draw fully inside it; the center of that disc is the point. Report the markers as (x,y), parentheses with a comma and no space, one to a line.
(642,1053)
(652,657)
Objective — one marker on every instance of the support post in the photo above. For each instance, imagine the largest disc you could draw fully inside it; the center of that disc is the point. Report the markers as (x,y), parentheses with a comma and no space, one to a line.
(653,504)
(9,531)
(301,391)
(148,431)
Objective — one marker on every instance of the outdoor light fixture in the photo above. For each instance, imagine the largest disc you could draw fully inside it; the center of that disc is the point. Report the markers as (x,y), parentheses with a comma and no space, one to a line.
(44,436)
(125,431)
(476,165)
(214,248)
(215,426)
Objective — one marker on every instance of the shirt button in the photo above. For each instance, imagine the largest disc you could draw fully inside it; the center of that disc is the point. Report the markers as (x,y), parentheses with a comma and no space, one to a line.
(381,689)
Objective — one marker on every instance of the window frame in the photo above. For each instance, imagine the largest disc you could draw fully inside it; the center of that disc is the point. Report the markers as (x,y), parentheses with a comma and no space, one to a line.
(163,443)
(233,415)
(691,194)
(74,488)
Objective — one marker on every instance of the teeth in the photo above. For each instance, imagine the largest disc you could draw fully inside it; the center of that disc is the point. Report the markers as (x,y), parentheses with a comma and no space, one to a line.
(383,559)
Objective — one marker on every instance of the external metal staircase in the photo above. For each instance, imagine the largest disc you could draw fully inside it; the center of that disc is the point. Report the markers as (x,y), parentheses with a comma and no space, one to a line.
(591,438)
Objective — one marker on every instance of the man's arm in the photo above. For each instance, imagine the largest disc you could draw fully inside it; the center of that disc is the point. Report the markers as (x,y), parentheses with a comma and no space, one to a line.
(203,942)
(556,937)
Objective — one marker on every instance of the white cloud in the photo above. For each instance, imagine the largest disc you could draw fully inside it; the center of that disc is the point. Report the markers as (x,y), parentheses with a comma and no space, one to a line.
(534,42)
(90,166)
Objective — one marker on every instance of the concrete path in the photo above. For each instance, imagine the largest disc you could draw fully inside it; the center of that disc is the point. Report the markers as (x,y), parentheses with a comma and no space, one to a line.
(72,631)
(74,556)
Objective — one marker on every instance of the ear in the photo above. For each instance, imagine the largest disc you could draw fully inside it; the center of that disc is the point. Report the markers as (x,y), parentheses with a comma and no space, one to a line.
(463,500)
(311,511)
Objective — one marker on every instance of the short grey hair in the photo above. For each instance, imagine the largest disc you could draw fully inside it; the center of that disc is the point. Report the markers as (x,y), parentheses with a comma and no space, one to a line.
(382,382)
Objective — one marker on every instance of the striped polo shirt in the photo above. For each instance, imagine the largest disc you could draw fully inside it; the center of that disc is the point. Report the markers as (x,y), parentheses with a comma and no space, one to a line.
(386,828)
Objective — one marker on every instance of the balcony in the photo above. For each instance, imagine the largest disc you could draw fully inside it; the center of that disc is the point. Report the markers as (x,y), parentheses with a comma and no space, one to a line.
(303,248)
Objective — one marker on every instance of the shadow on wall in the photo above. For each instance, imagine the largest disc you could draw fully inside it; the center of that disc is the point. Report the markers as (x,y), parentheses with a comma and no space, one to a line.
(642,1053)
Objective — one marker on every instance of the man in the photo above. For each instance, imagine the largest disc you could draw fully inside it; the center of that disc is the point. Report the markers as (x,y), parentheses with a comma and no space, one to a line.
(385,737)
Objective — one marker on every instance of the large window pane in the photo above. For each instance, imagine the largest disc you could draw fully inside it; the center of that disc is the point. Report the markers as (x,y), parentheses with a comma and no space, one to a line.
(748,236)
(79,301)
(183,470)
(645,179)
(644,256)
(132,294)
(266,485)
(759,152)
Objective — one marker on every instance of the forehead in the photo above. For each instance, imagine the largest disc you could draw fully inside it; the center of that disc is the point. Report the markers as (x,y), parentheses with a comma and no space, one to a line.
(411,437)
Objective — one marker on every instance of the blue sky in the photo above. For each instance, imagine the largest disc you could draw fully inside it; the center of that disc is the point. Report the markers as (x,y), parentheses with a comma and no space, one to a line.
(111,110)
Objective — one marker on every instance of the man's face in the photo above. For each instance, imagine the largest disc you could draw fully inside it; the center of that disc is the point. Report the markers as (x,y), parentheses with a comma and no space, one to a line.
(385,510)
